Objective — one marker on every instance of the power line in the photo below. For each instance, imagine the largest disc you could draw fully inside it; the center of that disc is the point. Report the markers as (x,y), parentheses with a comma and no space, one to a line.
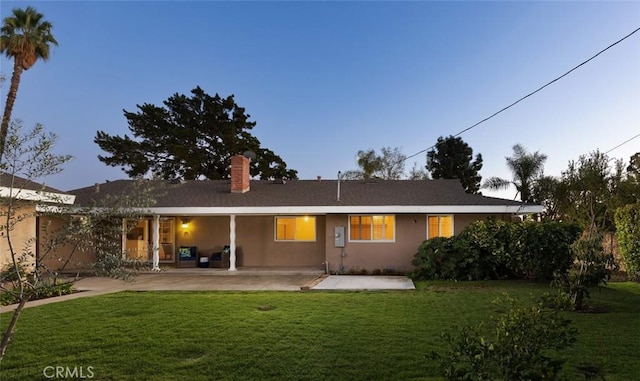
(533,92)
(623,143)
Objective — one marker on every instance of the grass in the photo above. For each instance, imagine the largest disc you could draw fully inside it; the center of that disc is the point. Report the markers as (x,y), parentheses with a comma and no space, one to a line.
(297,336)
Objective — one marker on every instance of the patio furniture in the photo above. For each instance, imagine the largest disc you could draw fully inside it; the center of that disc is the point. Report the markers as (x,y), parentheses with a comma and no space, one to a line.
(221,259)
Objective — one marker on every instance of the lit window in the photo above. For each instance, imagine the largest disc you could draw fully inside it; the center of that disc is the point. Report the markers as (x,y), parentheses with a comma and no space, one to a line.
(296,228)
(439,226)
(372,228)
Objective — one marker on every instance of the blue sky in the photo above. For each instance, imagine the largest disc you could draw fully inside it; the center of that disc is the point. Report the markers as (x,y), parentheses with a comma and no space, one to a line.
(326,79)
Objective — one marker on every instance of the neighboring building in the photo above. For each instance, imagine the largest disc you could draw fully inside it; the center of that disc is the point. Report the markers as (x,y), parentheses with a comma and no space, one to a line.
(26,198)
(339,225)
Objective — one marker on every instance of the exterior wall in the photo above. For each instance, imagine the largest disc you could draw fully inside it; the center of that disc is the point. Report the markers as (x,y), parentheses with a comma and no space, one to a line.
(64,258)
(255,235)
(208,234)
(411,231)
(257,247)
(255,241)
(21,233)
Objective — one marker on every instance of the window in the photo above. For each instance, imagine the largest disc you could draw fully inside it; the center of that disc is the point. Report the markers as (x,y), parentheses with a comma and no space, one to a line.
(372,228)
(296,228)
(439,226)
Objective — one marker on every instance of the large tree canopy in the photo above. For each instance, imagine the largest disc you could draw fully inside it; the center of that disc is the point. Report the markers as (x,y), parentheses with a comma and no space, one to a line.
(452,158)
(189,138)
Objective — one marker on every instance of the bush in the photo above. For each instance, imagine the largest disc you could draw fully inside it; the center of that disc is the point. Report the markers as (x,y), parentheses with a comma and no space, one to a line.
(448,259)
(42,291)
(514,350)
(498,250)
(591,268)
(627,221)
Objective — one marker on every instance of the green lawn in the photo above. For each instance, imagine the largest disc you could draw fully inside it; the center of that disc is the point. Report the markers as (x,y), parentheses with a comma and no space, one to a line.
(293,336)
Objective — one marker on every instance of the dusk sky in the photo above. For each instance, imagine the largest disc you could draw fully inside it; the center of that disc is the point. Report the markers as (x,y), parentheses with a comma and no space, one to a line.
(326,79)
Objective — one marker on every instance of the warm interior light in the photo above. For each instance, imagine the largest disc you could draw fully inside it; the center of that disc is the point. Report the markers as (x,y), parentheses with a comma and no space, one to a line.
(185,223)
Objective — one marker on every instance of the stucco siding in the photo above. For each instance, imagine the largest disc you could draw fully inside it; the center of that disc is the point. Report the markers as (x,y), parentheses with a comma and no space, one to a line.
(410,232)
(63,257)
(255,241)
(258,247)
(21,233)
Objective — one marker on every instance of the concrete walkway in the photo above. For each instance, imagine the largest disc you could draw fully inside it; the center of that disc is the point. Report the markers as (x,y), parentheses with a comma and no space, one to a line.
(242,280)
(363,282)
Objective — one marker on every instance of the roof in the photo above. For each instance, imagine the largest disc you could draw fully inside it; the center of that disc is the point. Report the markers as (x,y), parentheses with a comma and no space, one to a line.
(309,196)
(24,189)
(22,183)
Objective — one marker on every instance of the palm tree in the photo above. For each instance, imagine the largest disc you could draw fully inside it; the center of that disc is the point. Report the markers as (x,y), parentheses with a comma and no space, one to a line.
(26,37)
(526,169)
(370,164)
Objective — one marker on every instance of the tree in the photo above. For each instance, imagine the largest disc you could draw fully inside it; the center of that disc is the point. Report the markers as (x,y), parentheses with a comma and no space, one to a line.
(526,169)
(630,187)
(387,166)
(418,173)
(189,138)
(591,267)
(452,159)
(627,219)
(591,192)
(392,163)
(26,37)
(64,230)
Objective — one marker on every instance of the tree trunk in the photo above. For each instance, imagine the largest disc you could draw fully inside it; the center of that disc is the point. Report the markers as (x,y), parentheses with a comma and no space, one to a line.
(11,99)
(12,325)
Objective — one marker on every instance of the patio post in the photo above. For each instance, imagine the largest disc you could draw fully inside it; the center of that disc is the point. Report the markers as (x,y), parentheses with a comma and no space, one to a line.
(232,243)
(156,243)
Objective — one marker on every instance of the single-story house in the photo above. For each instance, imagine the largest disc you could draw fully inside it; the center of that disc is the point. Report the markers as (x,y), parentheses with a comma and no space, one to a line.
(326,224)
(25,197)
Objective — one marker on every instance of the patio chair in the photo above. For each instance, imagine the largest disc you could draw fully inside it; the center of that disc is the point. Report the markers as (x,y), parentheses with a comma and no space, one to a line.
(220,259)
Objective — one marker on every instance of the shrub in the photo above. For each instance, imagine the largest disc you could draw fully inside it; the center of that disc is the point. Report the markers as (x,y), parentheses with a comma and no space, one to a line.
(591,268)
(448,259)
(546,248)
(42,291)
(627,221)
(498,250)
(516,348)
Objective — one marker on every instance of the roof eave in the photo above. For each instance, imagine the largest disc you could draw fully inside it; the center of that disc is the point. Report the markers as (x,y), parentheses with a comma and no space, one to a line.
(39,196)
(363,209)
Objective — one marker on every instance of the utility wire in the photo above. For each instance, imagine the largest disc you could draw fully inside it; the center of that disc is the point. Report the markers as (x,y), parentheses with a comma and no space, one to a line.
(530,94)
(623,143)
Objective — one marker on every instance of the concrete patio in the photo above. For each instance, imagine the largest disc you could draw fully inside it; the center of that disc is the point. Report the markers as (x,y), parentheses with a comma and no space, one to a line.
(281,279)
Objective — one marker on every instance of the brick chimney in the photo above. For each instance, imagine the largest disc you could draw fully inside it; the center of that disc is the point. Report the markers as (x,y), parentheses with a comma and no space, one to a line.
(239,174)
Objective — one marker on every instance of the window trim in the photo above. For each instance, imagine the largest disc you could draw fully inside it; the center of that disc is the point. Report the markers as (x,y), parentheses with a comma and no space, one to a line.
(275,229)
(392,240)
(453,223)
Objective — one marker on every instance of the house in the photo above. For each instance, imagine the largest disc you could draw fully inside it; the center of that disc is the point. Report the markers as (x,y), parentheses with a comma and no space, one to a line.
(324,224)
(21,201)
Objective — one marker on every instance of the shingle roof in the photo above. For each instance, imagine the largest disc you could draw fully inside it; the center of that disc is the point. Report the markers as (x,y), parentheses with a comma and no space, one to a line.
(216,193)
(22,183)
